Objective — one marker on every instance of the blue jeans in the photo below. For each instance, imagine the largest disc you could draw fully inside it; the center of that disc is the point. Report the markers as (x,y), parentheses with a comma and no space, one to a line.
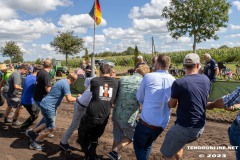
(234,138)
(143,139)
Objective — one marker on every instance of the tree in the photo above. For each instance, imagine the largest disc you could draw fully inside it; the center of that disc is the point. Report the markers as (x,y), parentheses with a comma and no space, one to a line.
(223,47)
(68,44)
(12,50)
(130,51)
(38,61)
(86,56)
(198,18)
(136,54)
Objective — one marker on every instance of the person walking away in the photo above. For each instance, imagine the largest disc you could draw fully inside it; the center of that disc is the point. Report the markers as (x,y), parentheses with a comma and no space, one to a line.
(190,95)
(153,94)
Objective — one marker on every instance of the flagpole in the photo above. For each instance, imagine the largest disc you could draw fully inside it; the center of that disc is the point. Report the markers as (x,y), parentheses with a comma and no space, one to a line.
(93,54)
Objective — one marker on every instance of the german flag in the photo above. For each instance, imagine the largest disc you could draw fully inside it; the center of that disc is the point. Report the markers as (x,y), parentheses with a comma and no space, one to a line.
(96,13)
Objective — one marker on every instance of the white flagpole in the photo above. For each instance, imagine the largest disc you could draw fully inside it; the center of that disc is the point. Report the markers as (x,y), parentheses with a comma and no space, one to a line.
(93,54)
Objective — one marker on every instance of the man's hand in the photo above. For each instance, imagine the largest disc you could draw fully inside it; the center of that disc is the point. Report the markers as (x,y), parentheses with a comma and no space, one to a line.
(232,108)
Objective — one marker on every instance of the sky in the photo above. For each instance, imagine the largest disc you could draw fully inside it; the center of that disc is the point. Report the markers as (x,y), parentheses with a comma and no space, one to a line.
(33,24)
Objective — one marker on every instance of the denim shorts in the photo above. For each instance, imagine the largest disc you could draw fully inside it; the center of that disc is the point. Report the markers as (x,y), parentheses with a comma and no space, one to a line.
(49,117)
(176,137)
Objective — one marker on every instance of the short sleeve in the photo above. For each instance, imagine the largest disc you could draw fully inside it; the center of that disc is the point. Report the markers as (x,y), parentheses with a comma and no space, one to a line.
(17,79)
(214,64)
(66,88)
(47,81)
(175,90)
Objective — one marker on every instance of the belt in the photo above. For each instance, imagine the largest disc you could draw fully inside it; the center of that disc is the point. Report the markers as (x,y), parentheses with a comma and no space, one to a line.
(81,104)
(149,126)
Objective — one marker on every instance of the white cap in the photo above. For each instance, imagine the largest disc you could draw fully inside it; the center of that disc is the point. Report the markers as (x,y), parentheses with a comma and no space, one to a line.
(191,58)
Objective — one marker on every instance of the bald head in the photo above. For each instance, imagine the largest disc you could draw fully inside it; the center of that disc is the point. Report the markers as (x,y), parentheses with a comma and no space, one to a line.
(206,57)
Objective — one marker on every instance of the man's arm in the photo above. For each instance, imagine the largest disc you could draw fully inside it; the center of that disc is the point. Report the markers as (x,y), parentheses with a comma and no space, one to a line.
(216,71)
(47,88)
(70,98)
(216,104)
(172,103)
(1,83)
(18,87)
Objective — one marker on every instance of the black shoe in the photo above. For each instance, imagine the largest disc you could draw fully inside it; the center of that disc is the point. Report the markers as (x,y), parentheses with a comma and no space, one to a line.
(7,120)
(31,134)
(114,155)
(65,147)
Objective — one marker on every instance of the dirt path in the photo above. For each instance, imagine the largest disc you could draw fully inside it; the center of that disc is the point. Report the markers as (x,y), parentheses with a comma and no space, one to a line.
(14,145)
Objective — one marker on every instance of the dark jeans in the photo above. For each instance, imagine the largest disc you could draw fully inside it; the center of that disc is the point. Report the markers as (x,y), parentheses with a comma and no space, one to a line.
(234,138)
(143,139)
(88,134)
(33,110)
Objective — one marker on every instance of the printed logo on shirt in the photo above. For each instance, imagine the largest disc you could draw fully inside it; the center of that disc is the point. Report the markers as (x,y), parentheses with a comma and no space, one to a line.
(105,92)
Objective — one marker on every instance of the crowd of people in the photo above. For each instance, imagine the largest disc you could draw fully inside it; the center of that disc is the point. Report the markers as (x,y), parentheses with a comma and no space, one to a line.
(151,89)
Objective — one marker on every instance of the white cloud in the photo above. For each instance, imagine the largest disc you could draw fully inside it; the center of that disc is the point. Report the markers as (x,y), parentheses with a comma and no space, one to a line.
(6,12)
(149,10)
(233,36)
(237,4)
(100,41)
(150,25)
(234,27)
(47,47)
(169,40)
(119,33)
(37,7)
(42,51)
(24,31)
(78,23)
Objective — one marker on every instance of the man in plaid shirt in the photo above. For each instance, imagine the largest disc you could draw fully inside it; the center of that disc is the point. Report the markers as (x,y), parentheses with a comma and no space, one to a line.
(228,102)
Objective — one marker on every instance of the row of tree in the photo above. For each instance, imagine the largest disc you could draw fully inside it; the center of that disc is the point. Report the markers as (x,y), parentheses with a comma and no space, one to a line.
(199,19)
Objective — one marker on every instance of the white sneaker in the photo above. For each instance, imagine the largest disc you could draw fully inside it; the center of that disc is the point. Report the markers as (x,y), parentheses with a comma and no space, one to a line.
(50,135)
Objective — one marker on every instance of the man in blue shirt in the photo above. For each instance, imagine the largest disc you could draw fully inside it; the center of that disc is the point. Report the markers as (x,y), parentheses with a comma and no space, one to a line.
(48,107)
(190,93)
(27,98)
(228,102)
(153,95)
(211,68)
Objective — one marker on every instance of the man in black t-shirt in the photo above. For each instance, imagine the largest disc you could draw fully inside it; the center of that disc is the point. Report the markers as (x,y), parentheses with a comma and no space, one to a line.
(104,90)
(43,82)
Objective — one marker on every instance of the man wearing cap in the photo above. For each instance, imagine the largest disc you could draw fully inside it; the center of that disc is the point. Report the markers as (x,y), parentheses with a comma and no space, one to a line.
(27,98)
(189,94)
(10,92)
